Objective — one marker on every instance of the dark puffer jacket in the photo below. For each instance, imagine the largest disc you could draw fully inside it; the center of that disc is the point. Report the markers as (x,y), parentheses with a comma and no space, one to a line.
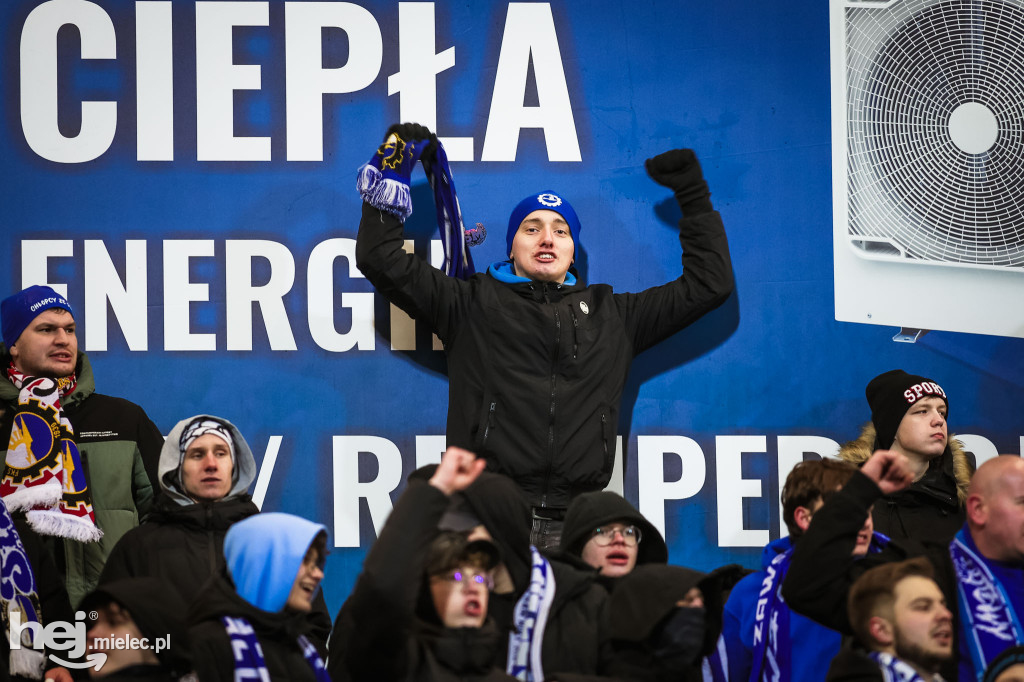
(536,370)
(182,545)
(932,509)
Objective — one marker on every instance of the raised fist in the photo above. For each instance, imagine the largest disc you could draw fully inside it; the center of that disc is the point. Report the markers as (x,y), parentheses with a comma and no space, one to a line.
(679,170)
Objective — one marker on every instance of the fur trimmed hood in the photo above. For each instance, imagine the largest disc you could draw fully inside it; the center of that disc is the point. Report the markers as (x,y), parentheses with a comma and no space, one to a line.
(857,452)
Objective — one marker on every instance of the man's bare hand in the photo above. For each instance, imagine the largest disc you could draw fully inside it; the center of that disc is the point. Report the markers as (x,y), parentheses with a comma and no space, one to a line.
(889,470)
(457,470)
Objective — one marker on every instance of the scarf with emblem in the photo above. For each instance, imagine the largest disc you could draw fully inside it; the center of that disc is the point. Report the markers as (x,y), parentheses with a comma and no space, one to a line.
(43,472)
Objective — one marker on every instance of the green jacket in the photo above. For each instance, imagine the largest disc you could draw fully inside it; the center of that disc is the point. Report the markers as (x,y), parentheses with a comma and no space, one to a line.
(120,449)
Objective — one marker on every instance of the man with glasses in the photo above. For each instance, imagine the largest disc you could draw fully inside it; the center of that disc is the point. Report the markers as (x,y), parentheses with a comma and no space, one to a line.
(608,533)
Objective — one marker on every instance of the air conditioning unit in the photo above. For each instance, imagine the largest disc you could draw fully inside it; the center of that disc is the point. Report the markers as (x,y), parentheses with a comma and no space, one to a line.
(928,164)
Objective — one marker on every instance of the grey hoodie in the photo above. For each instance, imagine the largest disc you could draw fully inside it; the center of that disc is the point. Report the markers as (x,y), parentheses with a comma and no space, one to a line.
(243,471)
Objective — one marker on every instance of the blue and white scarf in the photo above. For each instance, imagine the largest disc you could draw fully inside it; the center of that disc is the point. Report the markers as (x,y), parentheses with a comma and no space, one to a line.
(455,238)
(249,661)
(530,620)
(771,625)
(384,183)
(896,670)
(772,655)
(18,594)
(987,615)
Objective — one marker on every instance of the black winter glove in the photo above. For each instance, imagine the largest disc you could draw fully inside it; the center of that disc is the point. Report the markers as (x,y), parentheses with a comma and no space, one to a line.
(414,132)
(679,170)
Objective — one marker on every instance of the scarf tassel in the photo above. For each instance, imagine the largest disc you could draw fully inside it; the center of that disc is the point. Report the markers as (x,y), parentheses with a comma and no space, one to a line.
(52,522)
(46,495)
(384,193)
(25,662)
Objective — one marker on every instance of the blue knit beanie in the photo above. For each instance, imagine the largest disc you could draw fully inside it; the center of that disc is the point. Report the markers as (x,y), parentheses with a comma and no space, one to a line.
(18,310)
(545,201)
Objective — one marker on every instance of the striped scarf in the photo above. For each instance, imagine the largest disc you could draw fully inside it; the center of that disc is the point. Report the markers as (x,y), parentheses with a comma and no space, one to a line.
(43,472)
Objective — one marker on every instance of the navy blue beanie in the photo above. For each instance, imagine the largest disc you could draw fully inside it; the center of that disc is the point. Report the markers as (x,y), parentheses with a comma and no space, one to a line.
(18,310)
(545,201)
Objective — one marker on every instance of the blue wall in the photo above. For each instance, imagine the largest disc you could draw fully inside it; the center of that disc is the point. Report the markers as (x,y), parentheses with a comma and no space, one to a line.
(744,84)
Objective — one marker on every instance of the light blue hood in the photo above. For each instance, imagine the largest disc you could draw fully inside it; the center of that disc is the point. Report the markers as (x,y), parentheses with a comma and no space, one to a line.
(264,553)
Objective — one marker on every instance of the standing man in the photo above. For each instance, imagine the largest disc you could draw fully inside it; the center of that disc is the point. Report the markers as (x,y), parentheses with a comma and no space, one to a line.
(79,463)
(537,359)
(908,416)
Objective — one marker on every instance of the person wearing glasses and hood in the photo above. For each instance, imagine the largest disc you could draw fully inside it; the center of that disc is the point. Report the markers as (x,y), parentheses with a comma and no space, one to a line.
(420,605)
(251,621)
(607,532)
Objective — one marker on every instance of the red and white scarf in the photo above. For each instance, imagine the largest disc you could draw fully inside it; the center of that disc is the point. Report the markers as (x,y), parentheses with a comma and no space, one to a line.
(43,474)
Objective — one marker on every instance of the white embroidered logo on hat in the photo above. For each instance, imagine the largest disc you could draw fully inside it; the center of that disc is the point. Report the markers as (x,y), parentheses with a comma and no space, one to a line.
(549,200)
(585,308)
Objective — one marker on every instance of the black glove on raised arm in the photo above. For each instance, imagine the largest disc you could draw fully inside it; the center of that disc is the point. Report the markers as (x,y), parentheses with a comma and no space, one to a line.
(679,170)
(415,132)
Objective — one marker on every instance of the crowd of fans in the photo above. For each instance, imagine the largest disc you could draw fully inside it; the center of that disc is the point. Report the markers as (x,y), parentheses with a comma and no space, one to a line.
(903,560)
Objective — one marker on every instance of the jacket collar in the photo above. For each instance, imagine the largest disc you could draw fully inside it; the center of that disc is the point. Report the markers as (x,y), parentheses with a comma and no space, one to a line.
(85,387)
(505,273)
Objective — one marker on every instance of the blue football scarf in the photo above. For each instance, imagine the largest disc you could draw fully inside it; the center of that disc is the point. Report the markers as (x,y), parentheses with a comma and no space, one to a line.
(384,183)
(772,655)
(896,670)
(530,619)
(989,620)
(248,654)
(18,595)
(771,660)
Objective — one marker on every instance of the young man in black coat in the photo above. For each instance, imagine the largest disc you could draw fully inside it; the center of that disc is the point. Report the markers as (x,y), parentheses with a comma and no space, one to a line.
(909,415)
(537,359)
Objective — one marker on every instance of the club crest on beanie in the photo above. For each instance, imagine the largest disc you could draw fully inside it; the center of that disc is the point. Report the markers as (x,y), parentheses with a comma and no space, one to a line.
(18,310)
(544,201)
(891,394)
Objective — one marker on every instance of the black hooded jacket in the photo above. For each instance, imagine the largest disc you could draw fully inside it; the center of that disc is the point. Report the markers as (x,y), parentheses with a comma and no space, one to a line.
(388,630)
(158,612)
(277,634)
(637,610)
(574,631)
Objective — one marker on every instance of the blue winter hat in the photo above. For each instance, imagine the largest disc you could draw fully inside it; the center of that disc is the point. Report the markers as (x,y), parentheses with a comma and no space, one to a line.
(264,553)
(545,201)
(18,310)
